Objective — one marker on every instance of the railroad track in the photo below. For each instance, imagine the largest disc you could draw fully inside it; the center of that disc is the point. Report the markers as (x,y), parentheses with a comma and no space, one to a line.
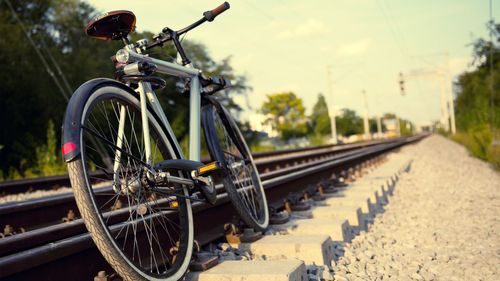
(266,160)
(49,210)
(57,250)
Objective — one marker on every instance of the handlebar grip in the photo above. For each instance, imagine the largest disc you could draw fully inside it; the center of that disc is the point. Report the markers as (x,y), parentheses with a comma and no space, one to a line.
(210,15)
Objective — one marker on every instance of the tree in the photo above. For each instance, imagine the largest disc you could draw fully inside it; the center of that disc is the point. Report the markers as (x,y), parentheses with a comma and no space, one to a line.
(477,105)
(320,119)
(373,125)
(286,114)
(478,92)
(406,127)
(29,96)
(349,123)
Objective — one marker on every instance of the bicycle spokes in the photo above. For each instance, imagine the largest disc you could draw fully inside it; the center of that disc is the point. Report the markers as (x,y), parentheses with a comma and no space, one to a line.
(143,222)
(240,169)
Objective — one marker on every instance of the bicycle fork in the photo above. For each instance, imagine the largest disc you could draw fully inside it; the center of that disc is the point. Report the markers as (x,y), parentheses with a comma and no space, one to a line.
(119,144)
(121,136)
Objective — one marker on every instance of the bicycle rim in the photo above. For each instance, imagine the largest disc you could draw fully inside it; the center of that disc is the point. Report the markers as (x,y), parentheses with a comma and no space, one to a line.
(241,178)
(152,232)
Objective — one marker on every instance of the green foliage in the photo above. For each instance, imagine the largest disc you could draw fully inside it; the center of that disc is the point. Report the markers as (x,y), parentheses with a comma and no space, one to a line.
(47,158)
(262,148)
(406,127)
(477,105)
(320,119)
(349,123)
(473,100)
(29,97)
(286,114)
(317,140)
(478,141)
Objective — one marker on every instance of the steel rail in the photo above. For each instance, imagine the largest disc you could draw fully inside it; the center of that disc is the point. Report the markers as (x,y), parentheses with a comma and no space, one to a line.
(63,230)
(56,260)
(264,158)
(40,212)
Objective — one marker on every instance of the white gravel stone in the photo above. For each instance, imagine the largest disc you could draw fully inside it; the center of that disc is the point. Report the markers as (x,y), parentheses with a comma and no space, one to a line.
(442,223)
(33,195)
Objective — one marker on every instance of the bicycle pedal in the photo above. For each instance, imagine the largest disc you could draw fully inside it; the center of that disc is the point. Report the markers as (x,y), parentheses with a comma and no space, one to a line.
(207,169)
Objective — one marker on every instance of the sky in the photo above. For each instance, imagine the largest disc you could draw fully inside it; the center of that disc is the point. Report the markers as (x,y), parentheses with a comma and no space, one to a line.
(288,45)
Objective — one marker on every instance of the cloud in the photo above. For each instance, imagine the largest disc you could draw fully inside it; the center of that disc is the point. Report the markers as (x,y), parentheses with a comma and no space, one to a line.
(355,48)
(310,27)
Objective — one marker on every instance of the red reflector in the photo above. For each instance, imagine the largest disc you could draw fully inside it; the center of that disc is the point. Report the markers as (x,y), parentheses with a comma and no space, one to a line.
(68,147)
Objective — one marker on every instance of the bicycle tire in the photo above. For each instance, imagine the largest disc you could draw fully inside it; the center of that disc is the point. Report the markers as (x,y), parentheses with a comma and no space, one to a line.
(238,177)
(161,215)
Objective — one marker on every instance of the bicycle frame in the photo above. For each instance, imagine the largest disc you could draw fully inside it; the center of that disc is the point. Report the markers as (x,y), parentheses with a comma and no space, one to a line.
(147,95)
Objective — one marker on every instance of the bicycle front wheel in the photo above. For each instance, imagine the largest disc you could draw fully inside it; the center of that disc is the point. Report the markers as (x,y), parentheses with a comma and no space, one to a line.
(143,233)
(240,176)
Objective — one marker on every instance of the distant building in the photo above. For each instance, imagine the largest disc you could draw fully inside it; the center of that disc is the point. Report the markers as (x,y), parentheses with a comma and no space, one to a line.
(391,126)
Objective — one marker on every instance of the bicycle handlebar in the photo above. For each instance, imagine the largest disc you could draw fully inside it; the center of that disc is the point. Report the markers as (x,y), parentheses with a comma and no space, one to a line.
(211,15)
(207,16)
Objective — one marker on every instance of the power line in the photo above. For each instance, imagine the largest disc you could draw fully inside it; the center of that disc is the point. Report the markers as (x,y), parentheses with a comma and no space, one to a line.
(391,28)
(58,69)
(397,35)
(259,10)
(293,11)
(40,55)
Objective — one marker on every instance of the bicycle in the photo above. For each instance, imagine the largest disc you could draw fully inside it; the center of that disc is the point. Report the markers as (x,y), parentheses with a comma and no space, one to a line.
(132,184)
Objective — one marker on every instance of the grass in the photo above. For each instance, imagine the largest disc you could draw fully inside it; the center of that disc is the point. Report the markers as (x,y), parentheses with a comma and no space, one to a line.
(479,141)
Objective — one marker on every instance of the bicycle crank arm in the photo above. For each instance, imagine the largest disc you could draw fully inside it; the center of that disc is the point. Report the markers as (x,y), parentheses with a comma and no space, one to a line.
(168,192)
(164,178)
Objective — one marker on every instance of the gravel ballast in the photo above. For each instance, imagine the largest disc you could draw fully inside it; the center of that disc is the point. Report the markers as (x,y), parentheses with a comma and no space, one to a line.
(441,224)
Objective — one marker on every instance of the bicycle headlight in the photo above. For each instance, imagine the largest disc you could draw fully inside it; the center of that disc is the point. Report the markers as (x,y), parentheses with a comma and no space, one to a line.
(122,56)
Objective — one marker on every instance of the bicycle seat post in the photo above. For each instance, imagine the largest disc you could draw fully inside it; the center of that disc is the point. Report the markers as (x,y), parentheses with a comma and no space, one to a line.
(125,41)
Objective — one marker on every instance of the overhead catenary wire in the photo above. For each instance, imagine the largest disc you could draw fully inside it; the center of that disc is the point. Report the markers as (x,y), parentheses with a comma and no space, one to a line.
(391,27)
(397,36)
(259,10)
(37,50)
(56,65)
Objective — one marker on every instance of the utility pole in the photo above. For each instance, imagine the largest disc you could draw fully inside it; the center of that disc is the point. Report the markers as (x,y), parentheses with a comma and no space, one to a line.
(398,126)
(365,121)
(444,104)
(379,127)
(332,108)
(451,104)
(439,76)
(447,106)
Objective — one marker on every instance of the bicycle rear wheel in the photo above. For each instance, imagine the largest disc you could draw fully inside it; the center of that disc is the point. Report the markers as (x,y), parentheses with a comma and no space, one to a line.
(143,233)
(240,176)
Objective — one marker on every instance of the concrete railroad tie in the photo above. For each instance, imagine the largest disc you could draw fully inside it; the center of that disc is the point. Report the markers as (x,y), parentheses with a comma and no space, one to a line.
(311,241)
(277,270)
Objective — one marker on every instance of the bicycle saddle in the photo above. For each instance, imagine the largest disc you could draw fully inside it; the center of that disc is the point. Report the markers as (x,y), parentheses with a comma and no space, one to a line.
(113,25)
